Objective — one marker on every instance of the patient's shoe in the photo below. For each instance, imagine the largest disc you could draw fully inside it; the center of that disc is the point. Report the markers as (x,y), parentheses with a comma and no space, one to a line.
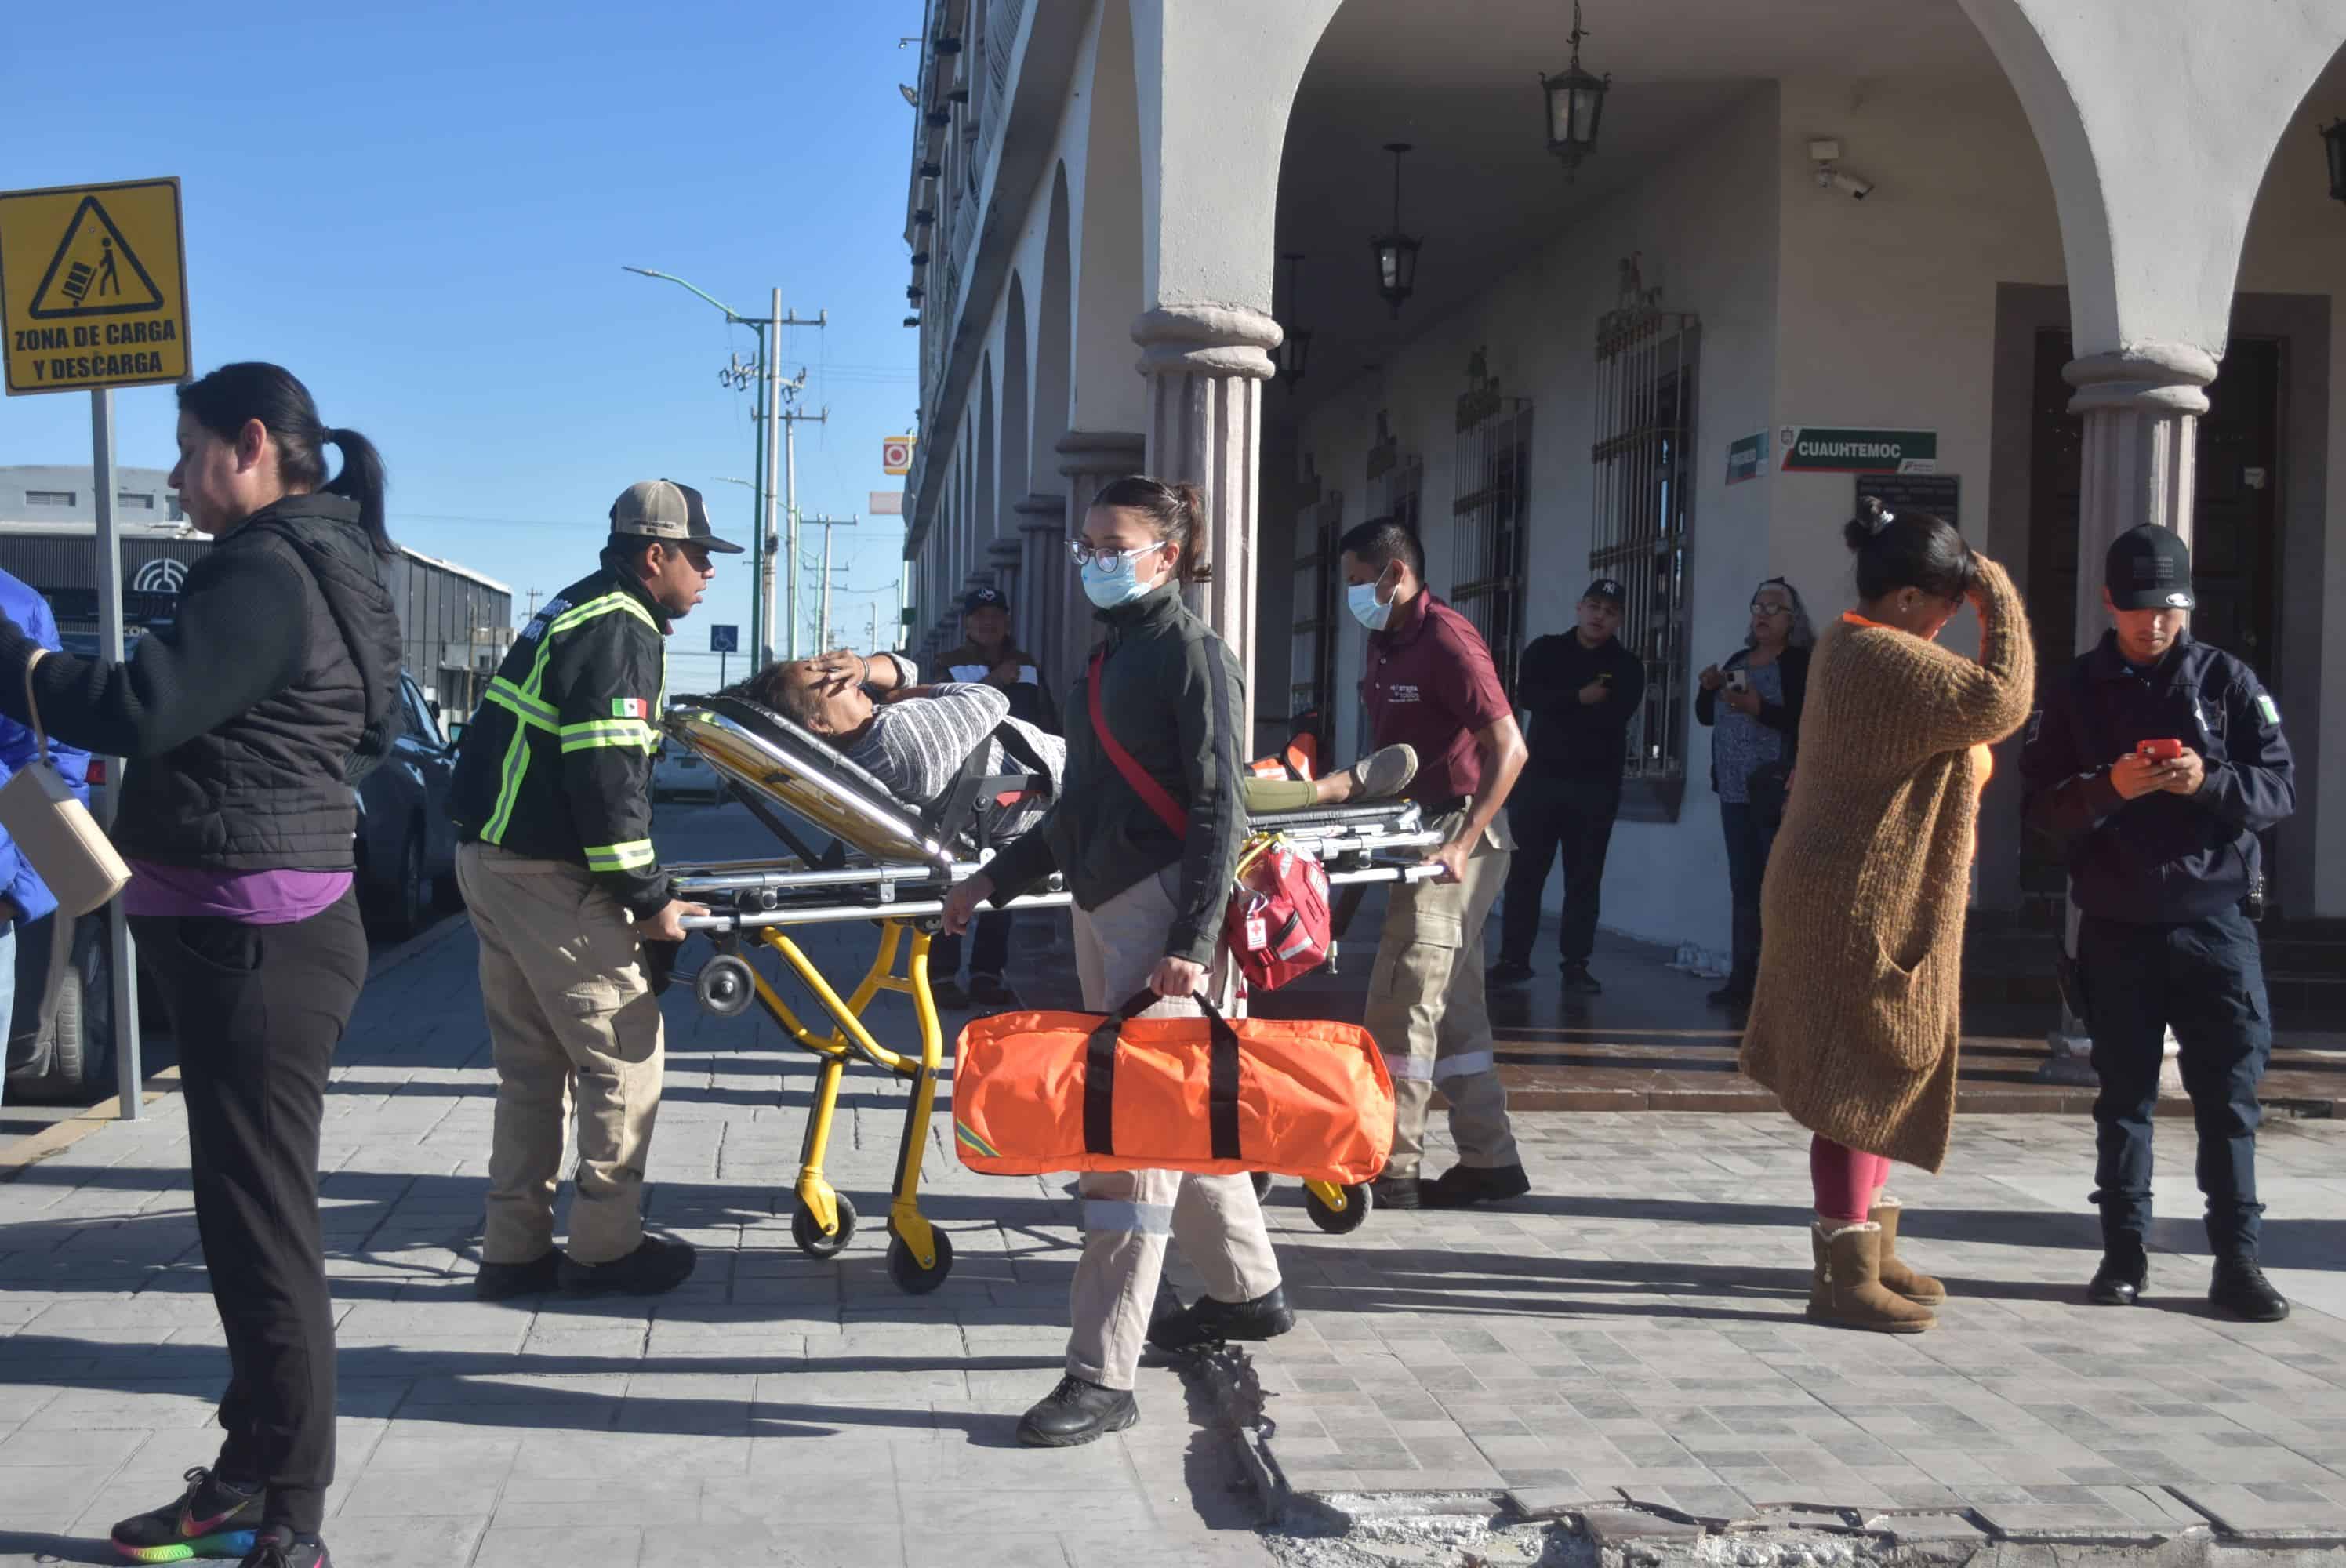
(1383,773)
(951,997)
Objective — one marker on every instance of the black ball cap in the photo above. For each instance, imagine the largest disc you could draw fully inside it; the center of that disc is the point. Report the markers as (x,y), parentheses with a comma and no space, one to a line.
(2149,568)
(1606,588)
(983,599)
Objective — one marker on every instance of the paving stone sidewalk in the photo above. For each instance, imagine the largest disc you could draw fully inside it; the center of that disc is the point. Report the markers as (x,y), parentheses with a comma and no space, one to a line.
(1628,1336)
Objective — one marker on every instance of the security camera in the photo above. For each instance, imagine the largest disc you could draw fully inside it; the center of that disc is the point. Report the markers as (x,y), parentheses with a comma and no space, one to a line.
(1859,189)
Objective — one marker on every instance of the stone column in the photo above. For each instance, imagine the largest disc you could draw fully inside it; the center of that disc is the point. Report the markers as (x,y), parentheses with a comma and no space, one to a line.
(1206,366)
(1004,556)
(1043,569)
(2141,408)
(1088,459)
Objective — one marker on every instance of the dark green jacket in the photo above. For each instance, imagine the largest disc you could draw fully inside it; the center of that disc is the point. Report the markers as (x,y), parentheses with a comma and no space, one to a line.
(1171,694)
(556,764)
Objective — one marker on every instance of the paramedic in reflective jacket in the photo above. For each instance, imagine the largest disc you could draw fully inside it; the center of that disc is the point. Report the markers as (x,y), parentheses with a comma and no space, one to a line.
(553,802)
(2162,855)
(1148,913)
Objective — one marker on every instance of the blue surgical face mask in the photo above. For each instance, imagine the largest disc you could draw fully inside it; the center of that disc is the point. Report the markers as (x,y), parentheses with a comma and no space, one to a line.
(1117,582)
(1371,612)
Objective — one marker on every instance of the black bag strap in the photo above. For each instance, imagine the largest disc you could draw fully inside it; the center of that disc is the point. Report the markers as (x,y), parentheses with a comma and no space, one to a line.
(956,812)
(1222,1079)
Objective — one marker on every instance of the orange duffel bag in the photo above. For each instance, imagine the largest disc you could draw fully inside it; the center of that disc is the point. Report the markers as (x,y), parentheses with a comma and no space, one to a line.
(1036,1093)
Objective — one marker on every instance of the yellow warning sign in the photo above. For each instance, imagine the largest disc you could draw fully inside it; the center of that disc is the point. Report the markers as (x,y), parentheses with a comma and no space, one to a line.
(93,287)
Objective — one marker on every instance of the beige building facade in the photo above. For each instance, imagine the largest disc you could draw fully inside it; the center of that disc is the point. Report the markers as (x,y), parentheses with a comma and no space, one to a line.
(2090,282)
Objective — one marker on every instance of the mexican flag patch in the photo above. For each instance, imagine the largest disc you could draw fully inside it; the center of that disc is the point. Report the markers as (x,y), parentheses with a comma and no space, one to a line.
(631,708)
(2268,709)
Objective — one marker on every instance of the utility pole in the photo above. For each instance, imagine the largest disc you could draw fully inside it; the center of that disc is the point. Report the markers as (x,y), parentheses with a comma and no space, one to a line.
(823,617)
(791,420)
(765,374)
(533,607)
(874,606)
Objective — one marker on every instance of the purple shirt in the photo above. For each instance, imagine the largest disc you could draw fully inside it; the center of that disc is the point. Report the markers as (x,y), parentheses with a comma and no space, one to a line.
(248,898)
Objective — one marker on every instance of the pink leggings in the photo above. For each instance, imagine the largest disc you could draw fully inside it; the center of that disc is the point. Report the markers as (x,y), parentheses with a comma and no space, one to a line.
(1846,1180)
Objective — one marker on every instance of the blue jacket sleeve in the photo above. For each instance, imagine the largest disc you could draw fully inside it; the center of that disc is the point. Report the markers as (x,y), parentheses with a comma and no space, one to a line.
(21,884)
(2255,786)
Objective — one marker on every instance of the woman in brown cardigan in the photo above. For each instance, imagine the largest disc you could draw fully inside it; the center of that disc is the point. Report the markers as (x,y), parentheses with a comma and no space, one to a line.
(1854,1022)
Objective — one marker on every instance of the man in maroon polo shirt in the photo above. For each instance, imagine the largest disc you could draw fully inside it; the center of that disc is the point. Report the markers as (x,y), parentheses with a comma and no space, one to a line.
(1430,684)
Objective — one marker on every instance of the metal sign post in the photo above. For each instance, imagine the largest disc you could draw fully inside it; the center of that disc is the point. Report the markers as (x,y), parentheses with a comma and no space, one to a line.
(122,969)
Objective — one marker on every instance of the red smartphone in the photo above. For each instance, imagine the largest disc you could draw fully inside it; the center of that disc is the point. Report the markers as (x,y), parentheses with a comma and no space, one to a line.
(2158,750)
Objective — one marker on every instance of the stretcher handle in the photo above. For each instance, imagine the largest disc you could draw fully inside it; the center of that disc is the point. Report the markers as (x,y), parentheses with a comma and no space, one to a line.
(1221,1077)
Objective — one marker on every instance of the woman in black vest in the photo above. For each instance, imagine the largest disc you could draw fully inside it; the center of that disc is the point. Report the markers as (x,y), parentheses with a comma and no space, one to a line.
(246,723)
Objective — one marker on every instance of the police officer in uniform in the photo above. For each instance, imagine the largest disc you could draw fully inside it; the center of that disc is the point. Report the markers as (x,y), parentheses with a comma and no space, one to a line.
(552,800)
(1580,690)
(2153,765)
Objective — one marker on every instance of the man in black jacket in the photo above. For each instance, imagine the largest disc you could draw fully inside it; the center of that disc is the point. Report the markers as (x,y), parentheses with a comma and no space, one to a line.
(2153,766)
(553,798)
(1580,690)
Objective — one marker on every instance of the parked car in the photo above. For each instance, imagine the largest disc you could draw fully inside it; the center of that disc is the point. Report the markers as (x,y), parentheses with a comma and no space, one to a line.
(682,774)
(61,1038)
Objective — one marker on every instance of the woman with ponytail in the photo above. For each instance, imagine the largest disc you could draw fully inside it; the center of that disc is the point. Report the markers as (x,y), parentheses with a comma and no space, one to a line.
(246,723)
(1857,1014)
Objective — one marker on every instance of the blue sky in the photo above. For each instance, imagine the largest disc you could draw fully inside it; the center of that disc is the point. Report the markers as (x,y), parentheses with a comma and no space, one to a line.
(422,209)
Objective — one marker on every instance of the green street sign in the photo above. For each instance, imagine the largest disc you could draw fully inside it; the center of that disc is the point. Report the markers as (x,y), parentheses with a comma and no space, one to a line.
(1825,449)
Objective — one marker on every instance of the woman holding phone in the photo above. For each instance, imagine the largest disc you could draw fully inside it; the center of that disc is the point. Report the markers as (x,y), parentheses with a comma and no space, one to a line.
(1147,920)
(1752,704)
(246,723)
(1855,1020)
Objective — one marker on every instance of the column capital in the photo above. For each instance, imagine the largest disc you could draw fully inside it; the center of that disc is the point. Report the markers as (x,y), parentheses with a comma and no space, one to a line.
(2150,376)
(1222,339)
(1003,553)
(1040,513)
(1101,451)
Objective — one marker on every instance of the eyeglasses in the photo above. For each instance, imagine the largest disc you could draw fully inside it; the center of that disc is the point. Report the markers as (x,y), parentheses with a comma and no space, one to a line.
(1084,553)
(1764,607)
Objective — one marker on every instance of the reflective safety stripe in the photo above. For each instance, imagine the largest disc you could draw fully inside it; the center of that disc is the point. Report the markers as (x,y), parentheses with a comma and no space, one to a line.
(1114,1214)
(630,733)
(509,697)
(516,758)
(627,857)
(1464,1064)
(1405,1068)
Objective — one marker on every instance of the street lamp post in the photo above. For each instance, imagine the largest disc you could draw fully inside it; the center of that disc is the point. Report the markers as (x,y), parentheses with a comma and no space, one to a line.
(771,385)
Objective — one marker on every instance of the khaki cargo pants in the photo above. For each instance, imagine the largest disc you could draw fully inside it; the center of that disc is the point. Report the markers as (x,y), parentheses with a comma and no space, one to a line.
(573,1021)
(1427,1012)
(1129,1215)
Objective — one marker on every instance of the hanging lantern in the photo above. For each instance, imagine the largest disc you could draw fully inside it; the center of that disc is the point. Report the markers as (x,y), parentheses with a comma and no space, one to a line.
(1575,103)
(1396,252)
(2333,141)
(1295,347)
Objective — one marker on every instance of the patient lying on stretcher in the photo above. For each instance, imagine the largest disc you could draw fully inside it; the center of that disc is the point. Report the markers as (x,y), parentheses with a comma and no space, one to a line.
(917,740)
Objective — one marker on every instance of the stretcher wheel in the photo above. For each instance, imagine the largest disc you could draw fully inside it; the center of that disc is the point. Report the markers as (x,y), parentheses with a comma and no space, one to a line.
(726,985)
(1262,1180)
(807,1233)
(906,1271)
(1343,1221)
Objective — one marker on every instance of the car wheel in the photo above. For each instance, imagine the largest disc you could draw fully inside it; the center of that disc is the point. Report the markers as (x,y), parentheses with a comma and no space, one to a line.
(81,1051)
(399,907)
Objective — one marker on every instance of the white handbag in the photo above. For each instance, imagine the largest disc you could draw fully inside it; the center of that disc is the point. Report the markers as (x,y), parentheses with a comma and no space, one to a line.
(55,830)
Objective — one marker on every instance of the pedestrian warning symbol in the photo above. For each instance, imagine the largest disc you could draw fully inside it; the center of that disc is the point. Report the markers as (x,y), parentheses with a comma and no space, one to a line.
(93,287)
(84,278)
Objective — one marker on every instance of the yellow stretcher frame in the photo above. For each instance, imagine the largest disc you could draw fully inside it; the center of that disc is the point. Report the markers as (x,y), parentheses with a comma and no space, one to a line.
(900,885)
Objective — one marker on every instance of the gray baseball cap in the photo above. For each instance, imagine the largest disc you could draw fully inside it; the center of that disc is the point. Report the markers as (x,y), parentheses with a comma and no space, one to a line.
(663,509)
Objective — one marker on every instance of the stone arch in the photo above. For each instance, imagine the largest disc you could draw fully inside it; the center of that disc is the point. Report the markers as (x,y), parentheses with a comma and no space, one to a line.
(1107,230)
(1054,340)
(985,494)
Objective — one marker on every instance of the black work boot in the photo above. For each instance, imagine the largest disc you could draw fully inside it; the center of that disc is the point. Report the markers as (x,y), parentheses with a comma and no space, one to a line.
(1397,1192)
(1077,1412)
(1507,971)
(1207,1321)
(1578,981)
(2239,1289)
(504,1281)
(213,1518)
(2124,1274)
(1463,1184)
(658,1265)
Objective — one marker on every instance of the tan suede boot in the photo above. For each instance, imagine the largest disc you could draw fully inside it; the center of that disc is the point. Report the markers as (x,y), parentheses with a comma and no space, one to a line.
(1820,1281)
(1860,1300)
(1920,1288)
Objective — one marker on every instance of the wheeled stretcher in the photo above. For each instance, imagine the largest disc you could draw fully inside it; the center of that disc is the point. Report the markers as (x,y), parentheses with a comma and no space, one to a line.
(853,851)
